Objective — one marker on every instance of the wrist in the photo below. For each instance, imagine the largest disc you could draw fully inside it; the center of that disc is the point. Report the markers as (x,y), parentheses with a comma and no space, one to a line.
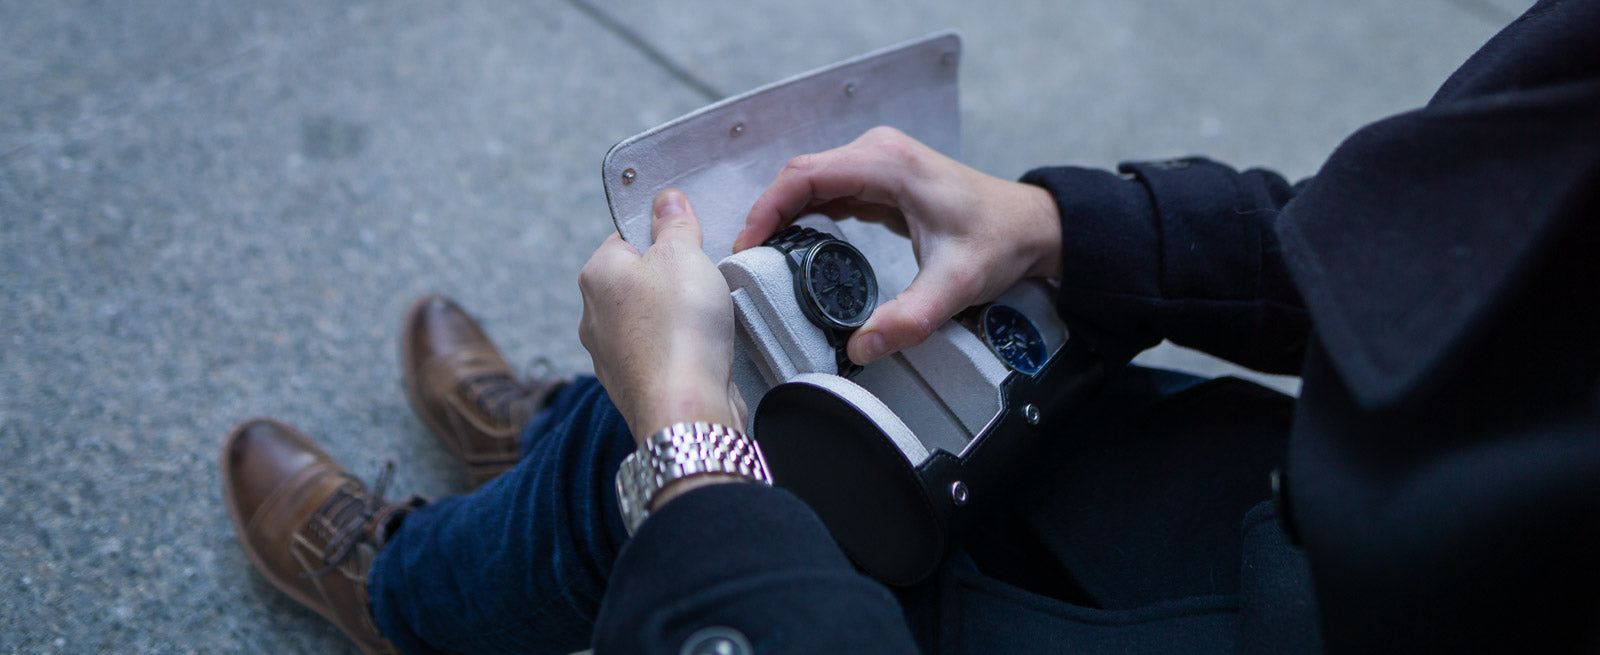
(682,486)
(1042,245)
(683,457)
(684,402)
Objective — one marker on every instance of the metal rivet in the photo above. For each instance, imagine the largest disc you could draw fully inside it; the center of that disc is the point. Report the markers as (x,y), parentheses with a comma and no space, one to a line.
(628,175)
(959,493)
(1030,412)
(850,89)
(716,640)
(736,130)
(947,58)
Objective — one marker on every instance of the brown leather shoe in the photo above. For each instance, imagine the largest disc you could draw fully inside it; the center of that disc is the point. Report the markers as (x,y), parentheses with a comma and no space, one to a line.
(310,528)
(463,390)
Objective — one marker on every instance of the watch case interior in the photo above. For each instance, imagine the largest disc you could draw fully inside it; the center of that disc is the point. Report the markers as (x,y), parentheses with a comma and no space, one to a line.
(897,459)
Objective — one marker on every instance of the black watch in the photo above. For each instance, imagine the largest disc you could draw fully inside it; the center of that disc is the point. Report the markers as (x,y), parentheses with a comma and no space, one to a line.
(834,283)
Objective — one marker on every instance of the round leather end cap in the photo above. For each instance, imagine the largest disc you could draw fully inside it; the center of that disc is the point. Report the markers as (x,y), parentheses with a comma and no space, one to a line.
(830,452)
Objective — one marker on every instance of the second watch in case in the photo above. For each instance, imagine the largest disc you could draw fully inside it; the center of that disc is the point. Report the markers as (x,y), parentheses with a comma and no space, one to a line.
(1013,337)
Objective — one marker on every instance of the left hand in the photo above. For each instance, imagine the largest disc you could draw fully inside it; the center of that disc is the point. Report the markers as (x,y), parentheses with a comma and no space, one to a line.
(659,325)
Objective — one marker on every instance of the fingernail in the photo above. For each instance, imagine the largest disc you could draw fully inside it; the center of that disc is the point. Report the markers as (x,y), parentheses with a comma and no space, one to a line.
(670,203)
(872,347)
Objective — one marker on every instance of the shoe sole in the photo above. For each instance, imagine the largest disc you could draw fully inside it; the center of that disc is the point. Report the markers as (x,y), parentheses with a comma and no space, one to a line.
(244,541)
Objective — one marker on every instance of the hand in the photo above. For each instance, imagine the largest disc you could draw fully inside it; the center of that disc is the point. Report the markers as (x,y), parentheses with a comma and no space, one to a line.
(974,235)
(659,325)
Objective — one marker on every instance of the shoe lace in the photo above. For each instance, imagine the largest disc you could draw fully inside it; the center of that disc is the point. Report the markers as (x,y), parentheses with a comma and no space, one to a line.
(497,394)
(341,521)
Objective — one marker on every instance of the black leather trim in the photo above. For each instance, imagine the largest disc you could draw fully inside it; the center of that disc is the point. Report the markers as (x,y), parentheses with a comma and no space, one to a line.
(823,449)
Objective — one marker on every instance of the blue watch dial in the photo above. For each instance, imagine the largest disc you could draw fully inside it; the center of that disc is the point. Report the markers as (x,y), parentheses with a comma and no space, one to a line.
(1014,338)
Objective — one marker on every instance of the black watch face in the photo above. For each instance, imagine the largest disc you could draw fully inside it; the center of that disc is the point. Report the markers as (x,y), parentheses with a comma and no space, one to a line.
(1014,338)
(840,283)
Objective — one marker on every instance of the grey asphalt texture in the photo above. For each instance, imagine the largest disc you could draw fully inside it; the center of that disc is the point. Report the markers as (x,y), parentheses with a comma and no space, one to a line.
(217,210)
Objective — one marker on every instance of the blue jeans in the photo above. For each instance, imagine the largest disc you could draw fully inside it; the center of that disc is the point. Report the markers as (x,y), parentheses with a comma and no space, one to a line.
(520,564)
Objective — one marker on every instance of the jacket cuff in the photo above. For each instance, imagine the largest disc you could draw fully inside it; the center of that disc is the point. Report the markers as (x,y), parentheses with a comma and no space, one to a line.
(1207,250)
(1110,253)
(751,558)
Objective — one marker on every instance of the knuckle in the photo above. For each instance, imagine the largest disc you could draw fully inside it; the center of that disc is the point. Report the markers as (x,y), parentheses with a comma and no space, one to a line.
(587,278)
(912,324)
(801,163)
(884,132)
(679,225)
(898,153)
(666,247)
(917,330)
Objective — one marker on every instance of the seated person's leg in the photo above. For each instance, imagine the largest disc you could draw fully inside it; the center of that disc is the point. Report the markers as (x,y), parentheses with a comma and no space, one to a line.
(463,390)
(521,563)
(309,527)
(518,565)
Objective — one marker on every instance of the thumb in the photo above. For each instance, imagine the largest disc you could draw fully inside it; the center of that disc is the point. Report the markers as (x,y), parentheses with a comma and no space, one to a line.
(910,317)
(674,219)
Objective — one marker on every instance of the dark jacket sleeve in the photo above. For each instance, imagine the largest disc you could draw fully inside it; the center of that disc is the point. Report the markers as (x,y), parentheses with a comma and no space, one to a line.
(1444,471)
(1182,250)
(749,558)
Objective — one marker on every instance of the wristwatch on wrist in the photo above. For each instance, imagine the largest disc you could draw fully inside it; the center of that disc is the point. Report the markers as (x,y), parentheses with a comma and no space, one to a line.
(834,284)
(679,451)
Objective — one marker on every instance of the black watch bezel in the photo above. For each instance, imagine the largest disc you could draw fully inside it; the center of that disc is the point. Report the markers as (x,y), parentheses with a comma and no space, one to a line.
(809,303)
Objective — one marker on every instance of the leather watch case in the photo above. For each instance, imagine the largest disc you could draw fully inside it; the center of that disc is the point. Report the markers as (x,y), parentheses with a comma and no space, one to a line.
(898,460)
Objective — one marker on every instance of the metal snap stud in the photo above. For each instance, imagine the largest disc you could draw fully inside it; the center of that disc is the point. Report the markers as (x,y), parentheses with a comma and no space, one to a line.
(959,493)
(716,640)
(628,176)
(1030,412)
(736,130)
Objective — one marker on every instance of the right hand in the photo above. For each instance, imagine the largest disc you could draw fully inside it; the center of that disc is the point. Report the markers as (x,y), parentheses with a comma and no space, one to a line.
(974,235)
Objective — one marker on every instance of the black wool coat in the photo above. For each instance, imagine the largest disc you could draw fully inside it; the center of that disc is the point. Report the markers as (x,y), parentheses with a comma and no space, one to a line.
(1436,285)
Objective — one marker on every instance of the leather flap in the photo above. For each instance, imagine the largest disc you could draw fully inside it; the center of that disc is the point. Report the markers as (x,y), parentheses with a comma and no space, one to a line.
(724,155)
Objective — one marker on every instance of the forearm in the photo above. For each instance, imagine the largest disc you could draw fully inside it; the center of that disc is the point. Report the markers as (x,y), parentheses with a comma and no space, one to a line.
(1180,250)
(751,558)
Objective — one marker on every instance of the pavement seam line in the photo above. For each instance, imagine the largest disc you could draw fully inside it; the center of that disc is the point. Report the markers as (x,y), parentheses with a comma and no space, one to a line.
(644,47)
